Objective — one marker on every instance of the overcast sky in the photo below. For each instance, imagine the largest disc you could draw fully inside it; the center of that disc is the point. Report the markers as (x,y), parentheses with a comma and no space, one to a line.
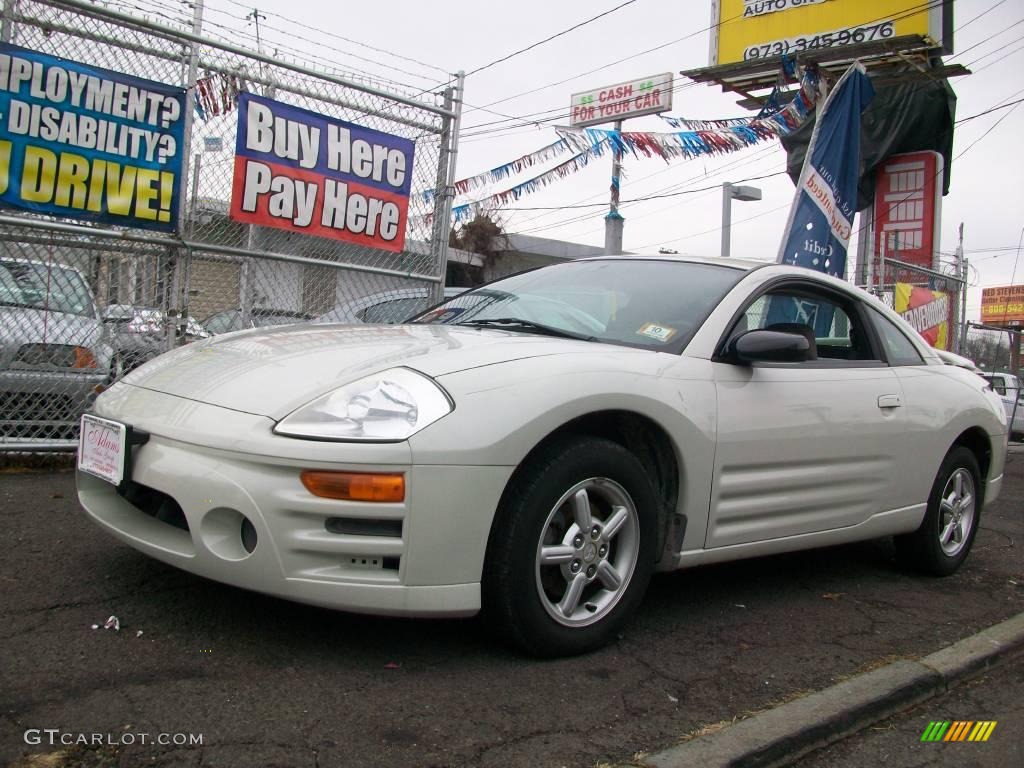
(467,34)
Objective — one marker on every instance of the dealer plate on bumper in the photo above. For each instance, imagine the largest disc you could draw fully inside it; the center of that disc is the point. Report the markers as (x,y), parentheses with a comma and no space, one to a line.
(102,448)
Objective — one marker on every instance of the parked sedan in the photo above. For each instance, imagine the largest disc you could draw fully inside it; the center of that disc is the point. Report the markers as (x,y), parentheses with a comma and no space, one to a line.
(53,350)
(230,320)
(139,334)
(539,454)
(1008,387)
(392,306)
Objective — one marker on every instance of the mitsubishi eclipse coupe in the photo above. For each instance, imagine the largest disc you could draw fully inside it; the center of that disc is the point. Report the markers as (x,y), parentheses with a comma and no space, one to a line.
(535,449)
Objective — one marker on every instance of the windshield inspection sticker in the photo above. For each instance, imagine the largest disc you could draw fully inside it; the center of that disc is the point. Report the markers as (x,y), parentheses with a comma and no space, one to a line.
(655,331)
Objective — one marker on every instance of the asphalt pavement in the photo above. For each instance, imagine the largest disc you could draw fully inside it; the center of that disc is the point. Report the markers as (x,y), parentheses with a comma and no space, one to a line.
(270,683)
(994,697)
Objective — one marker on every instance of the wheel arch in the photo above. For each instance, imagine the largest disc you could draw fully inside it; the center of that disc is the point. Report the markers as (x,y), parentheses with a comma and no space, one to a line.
(640,435)
(978,442)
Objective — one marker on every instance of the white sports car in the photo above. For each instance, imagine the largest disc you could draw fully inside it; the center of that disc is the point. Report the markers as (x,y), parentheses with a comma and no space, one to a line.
(538,447)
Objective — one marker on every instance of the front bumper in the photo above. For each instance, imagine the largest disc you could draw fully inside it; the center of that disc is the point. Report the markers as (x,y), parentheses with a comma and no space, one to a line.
(421,557)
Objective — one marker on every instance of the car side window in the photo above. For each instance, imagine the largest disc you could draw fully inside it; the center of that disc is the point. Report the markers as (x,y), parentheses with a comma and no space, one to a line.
(899,350)
(831,324)
(224,322)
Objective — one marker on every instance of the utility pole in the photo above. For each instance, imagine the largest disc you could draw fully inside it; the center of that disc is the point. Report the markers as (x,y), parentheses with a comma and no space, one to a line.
(255,17)
(246,278)
(7,30)
(613,222)
(961,263)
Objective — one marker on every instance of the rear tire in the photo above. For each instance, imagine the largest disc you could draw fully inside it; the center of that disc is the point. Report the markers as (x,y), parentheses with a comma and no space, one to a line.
(940,546)
(572,548)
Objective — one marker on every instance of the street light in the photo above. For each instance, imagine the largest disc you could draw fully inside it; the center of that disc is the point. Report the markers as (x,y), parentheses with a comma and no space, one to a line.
(730,193)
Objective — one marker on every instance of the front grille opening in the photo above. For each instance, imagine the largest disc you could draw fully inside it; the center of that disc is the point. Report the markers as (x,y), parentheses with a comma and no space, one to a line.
(374,563)
(156,504)
(355,526)
(40,415)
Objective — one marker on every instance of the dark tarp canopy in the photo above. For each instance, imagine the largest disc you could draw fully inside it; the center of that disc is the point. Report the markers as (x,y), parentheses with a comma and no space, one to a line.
(909,116)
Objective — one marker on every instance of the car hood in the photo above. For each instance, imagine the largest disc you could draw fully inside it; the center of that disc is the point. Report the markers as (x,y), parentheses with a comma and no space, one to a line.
(270,372)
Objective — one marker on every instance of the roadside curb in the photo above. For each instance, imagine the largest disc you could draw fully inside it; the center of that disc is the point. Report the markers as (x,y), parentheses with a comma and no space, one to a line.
(785,733)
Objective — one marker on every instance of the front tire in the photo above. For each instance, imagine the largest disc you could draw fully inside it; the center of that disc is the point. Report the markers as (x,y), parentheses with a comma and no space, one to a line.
(572,547)
(940,546)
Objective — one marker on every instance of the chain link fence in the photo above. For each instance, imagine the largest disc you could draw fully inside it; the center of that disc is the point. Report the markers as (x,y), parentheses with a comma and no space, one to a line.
(82,302)
(932,302)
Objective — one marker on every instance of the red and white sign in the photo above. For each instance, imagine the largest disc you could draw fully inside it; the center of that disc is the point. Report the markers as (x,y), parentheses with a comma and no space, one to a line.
(908,208)
(646,96)
(101,448)
(314,175)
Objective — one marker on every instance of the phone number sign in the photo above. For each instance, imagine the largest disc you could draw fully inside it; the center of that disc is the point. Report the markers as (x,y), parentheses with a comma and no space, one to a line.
(1003,305)
(748,30)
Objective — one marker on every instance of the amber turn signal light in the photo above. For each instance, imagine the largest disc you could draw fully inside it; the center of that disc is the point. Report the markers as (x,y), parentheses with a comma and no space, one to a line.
(84,358)
(355,486)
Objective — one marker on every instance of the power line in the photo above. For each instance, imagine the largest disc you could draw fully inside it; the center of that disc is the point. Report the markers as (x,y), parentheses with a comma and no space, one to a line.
(989,111)
(345,39)
(863,227)
(726,167)
(233,33)
(635,199)
(577,219)
(713,229)
(906,12)
(901,14)
(983,13)
(535,119)
(571,220)
(549,39)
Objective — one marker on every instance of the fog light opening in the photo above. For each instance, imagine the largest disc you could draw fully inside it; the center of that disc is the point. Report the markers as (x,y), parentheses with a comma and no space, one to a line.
(223,532)
(249,537)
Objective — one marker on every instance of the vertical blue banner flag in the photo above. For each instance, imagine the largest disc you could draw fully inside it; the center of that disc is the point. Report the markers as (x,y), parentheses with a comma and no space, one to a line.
(821,218)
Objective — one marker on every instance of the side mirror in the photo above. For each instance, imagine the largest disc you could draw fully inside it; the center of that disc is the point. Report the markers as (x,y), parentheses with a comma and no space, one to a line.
(768,347)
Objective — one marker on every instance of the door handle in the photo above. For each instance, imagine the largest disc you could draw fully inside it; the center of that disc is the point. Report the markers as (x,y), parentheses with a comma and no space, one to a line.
(889,401)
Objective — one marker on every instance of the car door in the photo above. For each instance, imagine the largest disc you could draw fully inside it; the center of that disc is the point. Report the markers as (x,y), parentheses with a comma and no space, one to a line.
(809,446)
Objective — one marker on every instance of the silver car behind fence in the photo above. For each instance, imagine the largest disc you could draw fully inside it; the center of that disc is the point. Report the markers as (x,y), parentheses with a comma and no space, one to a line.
(54,351)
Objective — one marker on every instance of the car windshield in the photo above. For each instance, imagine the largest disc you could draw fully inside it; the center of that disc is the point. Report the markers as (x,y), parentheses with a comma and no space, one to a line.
(655,304)
(44,286)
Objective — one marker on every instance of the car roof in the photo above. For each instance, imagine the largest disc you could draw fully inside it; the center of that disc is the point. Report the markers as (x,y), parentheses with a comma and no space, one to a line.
(733,263)
(38,263)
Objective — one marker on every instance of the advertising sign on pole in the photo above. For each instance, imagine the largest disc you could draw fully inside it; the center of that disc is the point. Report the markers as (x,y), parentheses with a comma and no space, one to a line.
(314,175)
(908,208)
(81,142)
(928,312)
(821,218)
(646,96)
(748,30)
(1003,305)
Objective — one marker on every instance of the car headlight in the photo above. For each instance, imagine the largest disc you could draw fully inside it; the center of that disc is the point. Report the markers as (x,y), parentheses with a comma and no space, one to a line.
(390,405)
